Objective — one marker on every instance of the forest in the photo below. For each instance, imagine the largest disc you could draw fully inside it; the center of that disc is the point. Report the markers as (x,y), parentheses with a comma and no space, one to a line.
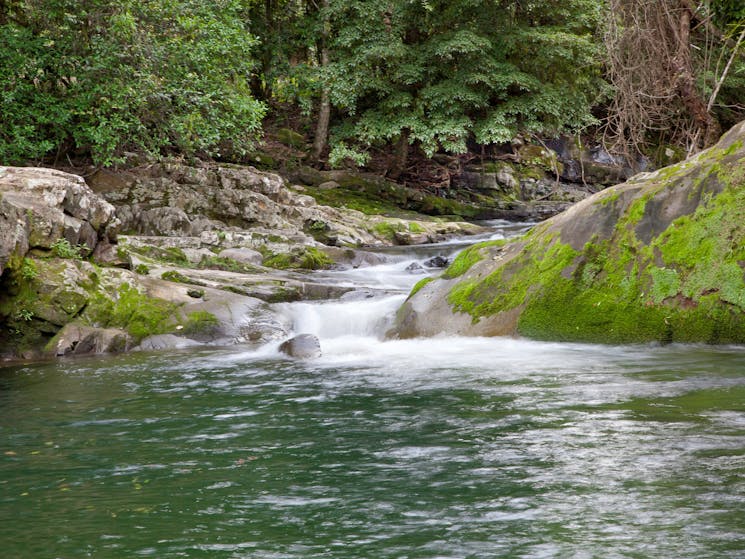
(370,83)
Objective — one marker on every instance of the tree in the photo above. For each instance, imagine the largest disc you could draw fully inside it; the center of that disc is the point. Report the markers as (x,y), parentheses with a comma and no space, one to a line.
(100,77)
(434,73)
(669,61)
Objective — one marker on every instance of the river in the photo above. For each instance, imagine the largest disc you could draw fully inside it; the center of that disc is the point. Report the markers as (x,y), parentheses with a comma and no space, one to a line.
(429,449)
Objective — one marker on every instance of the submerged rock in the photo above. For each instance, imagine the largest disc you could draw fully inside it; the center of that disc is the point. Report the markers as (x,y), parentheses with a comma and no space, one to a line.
(658,258)
(303,346)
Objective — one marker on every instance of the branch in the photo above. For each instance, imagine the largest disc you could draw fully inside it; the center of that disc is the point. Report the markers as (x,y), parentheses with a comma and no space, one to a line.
(725,71)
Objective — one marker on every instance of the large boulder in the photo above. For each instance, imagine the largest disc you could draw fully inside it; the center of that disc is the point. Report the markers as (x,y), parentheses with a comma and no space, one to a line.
(658,258)
(38,207)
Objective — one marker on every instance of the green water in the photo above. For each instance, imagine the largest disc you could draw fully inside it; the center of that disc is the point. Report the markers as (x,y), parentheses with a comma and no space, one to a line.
(430,449)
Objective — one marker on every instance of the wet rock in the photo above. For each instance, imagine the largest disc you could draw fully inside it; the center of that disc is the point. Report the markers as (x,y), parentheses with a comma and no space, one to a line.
(415,268)
(76,339)
(437,262)
(303,346)
(165,341)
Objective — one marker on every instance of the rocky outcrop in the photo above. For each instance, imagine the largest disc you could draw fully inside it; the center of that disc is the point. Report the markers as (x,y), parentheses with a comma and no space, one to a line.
(658,258)
(177,200)
(38,207)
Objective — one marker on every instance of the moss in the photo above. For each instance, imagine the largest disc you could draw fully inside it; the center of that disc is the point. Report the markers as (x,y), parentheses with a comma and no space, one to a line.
(463,262)
(387,229)
(200,323)
(507,287)
(419,285)
(369,204)
(172,255)
(142,269)
(135,312)
(291,138)
(307,258)
(414,227)
(227,264)
(174,276)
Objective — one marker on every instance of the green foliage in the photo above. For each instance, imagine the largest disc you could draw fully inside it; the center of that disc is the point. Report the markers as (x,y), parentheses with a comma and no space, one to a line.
(63,249)
(436,73)
(142,269)
(28,270)
(106,77)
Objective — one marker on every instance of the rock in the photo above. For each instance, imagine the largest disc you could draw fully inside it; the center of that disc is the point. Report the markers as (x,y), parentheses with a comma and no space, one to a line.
(658,258)
(38,207)
(415,268)
(165,341)
(243,255)
(437,262)
(303,346)
(77,339)
(329,185)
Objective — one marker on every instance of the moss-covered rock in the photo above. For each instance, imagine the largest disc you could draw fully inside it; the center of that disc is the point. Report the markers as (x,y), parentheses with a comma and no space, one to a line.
(659,258)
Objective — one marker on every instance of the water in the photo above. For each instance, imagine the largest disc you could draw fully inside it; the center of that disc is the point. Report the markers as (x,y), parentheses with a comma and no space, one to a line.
(439,448)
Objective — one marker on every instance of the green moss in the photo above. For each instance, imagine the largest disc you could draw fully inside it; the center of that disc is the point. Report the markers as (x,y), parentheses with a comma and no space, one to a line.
(172,255)
(227,264)
(135,312)
(665,283)
(200,323)
(419,285)
(466,259)
(142,269)
(414,227)
(174,276)
(506,288)
(291,138)
(307,258)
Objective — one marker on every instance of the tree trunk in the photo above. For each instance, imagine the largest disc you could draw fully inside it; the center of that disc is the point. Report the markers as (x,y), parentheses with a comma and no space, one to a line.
(706,125)
(324,111)
(401,156)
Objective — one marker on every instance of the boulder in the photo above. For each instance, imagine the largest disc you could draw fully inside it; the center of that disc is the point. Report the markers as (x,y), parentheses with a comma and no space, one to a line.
(243,256)
(38,207)
(165,341)
(302,346)
(77,339)
(658,258)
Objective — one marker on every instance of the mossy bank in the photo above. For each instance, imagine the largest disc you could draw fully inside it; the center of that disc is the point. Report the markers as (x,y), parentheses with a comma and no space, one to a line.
(658,258)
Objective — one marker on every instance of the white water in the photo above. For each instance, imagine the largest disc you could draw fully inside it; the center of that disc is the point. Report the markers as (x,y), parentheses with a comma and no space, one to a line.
(352,329)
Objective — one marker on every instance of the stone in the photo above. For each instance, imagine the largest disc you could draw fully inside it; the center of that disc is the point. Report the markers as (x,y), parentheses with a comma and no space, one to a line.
(302,346)
(329,185)
(437,262)
(77,339)
(242,255)
(414,268)
(634,263)
(40,206)
(165,341)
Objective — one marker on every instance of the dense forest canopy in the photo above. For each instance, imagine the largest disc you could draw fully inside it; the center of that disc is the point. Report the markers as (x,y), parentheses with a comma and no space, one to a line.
(97,78)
